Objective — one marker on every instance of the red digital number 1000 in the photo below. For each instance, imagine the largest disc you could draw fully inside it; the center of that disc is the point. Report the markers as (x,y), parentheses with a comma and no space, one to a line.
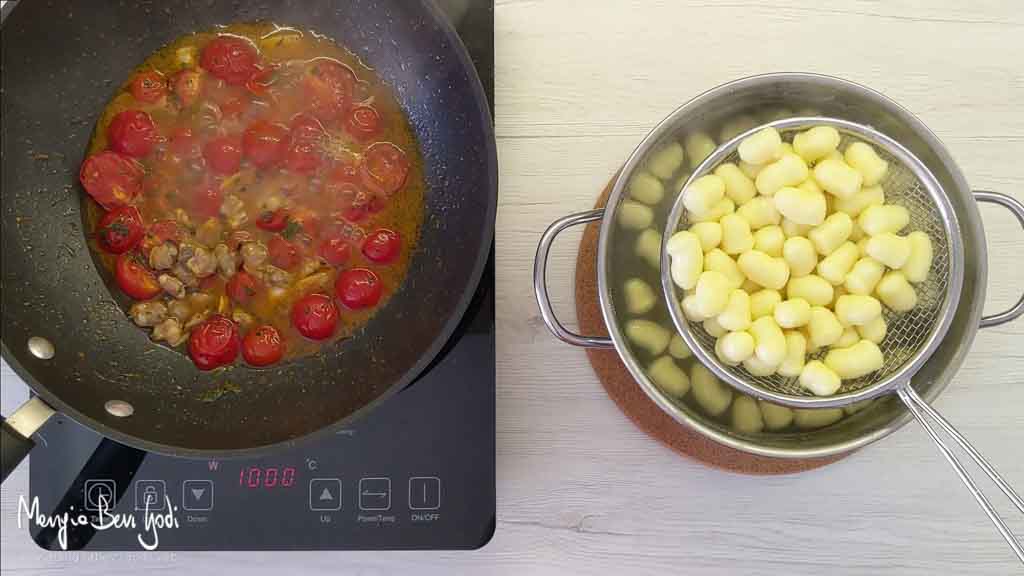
(266,477)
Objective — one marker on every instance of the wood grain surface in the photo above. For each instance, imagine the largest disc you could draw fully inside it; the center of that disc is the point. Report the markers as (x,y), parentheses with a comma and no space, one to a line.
(580,489)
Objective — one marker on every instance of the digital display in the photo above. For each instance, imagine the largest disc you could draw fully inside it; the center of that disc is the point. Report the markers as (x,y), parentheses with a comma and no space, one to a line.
(267,477)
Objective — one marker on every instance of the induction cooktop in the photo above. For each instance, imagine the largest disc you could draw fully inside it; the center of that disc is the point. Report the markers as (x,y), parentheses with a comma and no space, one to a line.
(416,473)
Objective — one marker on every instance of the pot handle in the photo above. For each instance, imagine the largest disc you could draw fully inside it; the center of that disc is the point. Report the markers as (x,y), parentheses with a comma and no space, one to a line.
(1017,209)
(540,285)
(16,433)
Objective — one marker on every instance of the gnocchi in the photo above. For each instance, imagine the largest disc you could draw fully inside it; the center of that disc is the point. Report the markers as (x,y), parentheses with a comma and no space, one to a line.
(855,361)
(823,328)
(775,417)
(889,249)
(719,261)
(796,354)
(640,298)
(713,395)
(801,205)
(698,147)
(813,288)
(666,161)
(669,377)
(735,347)
(800,254)
(919,261)
(814,418)
(736,315)
(746,416)
(864,276)
(736,235)
(882,218)
(712,294)
(816,143)
(856,309)
(831,233)
(790,170)
(685,250)
(769,341)
(763,269)
(837,178)
(838,264)
(819,379)
(760,212)
(863,158)
(709,234)
(769,240)
(647,335)
(646,188)
(635,216)
(874,330)
(678,349)
(762,147)
(763,303)
(701,195)
(738,186)
(648,247)
(894,290)
(792,313)
(718,210)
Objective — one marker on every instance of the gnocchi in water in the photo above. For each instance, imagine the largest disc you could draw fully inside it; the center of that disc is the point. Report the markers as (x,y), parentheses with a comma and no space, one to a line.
(810,222)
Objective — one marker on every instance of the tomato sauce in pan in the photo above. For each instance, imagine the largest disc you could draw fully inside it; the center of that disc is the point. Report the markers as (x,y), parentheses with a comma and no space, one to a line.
(257,190)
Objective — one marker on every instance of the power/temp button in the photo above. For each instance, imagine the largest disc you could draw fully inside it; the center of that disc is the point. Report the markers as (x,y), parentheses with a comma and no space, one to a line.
(424,493)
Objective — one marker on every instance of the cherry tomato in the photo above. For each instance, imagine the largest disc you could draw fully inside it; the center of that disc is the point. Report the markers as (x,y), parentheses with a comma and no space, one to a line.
(133,133)
(329,86)
(165,230)
(149,87)
(315,316)
(283,253)
(273,221)
(264,143)
(224,154)
(304,145)
(345,171)
(358,288)
(185,144)
(335,251)
(260,82)
(121,229)
(187,86)
(135,279)
(363,122)
(207,198)
(214,343)
(384,168)
(262,346)
(234,107)
(242,287)
(382,246)
(231,58)
(111,179)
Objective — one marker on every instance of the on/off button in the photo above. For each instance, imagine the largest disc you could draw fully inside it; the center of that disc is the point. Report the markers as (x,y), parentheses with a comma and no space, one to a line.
(424,493)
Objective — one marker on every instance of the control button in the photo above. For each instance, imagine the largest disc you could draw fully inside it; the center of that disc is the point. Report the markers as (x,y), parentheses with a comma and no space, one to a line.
(150,495)
(424,493)
(197,495)
(100,491)
(325,494)
(375,494)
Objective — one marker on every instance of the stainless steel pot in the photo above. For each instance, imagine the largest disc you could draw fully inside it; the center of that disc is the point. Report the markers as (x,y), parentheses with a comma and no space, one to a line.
(832,97)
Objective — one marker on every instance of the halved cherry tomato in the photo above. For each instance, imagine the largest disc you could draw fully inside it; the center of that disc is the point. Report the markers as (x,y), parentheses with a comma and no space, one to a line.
(231,58)
(207,198)
(242,287)
(335,251)
(260,82)
(329,86)
(384,168)
(262,346)
(224,154)
(358,288)
(111,179)
(135,279)
(315,316)
(273,221)
(283,253)
(149,87)
(304,145)
(382,246)
(187,86)
(120,230)
(185,144)
(133,133)
(264,143)
(214,343)
(363,122)
(165,230)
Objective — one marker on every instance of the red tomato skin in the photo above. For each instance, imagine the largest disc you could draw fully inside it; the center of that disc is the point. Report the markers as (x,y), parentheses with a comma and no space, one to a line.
(358,288)
(120,230)
(188,84)
(264,143)
(242,287)
(363,122)
(384,168)
(335,251)
(283,253)
(214,343)
(149,87)
(329,86)
(135,279)
(315,316)
(273,221)
(165,230)
(224,154)
(132,133)
(185,144)
(260,82)
(207,199)
(231,59)
(111,179)
(382,246)
(303,146)
(262,346)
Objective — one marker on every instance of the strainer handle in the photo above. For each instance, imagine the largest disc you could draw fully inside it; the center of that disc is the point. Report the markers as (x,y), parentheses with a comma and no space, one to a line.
(920,409)
(1017,209)
(540,282)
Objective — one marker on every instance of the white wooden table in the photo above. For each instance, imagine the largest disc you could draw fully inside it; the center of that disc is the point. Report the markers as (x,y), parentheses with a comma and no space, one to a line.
(580,490)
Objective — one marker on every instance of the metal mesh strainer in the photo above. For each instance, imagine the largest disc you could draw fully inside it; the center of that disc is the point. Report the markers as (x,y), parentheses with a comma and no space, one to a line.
(911,337)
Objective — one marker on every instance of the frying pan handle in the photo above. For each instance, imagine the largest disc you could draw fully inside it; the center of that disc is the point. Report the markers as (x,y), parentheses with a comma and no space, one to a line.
(16,434)
(1017,209)
(540,285)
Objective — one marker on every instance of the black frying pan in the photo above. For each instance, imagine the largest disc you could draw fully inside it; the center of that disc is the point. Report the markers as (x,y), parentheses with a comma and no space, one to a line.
(61,63)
